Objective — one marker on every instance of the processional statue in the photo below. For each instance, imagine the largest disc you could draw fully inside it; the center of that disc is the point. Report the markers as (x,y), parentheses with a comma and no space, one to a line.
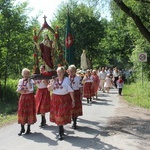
(50,52)
(85,62)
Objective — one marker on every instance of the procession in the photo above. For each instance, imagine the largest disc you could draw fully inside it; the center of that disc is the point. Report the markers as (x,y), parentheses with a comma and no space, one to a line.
(60,92)
(74,74)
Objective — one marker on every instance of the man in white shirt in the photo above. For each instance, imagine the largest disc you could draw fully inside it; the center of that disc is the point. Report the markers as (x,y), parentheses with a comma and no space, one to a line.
(102,75)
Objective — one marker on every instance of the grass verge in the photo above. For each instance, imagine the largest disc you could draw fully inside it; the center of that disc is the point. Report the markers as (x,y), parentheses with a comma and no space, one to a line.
(138,94)
(7,119)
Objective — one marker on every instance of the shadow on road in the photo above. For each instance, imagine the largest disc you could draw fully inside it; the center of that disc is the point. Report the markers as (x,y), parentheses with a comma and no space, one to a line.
(129,125)
(76,141)
(40,138)
(89,143)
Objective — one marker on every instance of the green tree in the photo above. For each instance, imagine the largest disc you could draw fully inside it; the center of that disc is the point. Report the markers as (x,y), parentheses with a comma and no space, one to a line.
(16,39)
(132,8)
(135,14)
(86,28)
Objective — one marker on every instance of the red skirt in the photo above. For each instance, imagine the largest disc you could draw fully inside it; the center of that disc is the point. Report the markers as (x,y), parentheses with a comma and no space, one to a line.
(61,106)
(42,99)
(26,109)
(77,110)
(96,86)
(88,92)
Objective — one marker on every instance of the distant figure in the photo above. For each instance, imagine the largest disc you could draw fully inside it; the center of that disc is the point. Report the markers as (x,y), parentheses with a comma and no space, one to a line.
(84,64)
(120,84)
(88,87)
(102,75)
(115,75)
(96,82)
(108,82)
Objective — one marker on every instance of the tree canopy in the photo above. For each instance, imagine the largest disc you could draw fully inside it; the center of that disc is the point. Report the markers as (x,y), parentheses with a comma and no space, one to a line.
(115,41)
(16,39)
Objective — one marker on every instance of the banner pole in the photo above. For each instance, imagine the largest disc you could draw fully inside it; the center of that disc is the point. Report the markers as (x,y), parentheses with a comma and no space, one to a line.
(142,73)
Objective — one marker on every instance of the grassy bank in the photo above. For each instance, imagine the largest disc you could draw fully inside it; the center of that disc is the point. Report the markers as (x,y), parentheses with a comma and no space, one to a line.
(138,94)
(6,119)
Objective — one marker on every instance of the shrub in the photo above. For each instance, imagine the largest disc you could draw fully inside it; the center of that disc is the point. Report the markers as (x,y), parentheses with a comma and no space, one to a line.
(9,97)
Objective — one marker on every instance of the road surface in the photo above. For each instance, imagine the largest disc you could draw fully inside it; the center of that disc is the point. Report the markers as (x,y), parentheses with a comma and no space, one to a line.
(88,136)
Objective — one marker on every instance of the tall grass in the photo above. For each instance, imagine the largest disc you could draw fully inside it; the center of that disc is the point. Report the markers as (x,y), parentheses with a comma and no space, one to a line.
(138,94)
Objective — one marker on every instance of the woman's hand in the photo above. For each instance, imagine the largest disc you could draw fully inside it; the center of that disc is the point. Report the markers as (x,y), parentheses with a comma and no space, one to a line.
(45,82)
(73,103)
(72,97)
(50,85)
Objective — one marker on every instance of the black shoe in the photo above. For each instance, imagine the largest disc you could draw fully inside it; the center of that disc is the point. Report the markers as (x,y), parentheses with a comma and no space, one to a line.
(61,131)
(28,130)
(74,126)
(43,121)
(22,131)
(87,100)
(42,125)
(60,137)
(90,100)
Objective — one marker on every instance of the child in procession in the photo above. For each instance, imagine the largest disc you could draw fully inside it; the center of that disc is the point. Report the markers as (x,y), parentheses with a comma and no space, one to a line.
(120,84)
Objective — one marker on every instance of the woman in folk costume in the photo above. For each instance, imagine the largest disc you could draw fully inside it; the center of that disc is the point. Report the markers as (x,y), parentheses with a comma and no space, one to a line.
(42,98)
(76,84)
(96,82)
(88,88)
(62,100)
(26,105)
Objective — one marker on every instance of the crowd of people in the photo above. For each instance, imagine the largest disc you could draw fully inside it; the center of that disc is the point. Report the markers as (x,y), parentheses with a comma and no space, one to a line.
(62,95)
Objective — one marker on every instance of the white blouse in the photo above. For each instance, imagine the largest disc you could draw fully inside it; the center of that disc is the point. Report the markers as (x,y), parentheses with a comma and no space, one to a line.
(62,88)
(88,79)
(115,74)
(24,85)
(40,84)
(76,82)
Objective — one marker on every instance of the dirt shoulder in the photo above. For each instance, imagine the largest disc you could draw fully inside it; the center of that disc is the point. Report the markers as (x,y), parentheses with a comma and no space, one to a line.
(129,128)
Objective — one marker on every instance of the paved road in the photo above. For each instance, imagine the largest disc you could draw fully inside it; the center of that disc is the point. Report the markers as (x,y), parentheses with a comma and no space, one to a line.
(88,136)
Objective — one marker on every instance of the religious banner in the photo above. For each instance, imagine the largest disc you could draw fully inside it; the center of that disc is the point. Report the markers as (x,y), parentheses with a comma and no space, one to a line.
(69,43)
